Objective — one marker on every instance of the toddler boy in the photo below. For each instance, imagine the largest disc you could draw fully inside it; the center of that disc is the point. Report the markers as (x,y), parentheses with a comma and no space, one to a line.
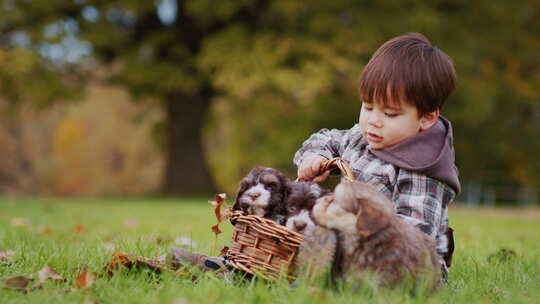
(400,145)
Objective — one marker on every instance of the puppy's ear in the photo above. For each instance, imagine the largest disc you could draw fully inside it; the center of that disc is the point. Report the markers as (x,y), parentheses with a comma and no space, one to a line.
(288,187)
(370,219)
(281,208)
(243,187)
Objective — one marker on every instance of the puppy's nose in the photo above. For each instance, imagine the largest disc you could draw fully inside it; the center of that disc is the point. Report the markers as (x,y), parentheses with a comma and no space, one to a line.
(254,196)
(299,226)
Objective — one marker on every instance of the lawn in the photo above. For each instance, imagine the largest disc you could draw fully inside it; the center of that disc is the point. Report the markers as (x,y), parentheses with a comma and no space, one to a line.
(68,232)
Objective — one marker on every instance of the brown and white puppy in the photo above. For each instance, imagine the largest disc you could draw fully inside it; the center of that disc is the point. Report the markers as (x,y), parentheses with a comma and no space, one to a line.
(263,192)
(317,251)
(374,242)
(302,198)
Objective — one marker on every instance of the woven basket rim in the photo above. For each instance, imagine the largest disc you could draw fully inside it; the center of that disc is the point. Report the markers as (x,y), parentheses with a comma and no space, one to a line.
(268,227)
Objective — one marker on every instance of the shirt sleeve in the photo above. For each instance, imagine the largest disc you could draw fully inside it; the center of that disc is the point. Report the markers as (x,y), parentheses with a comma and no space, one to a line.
(326,143)
(422,201)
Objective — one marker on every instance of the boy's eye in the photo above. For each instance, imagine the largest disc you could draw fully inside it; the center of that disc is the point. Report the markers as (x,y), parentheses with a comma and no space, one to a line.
(292,208)
(368,108)
(391,114)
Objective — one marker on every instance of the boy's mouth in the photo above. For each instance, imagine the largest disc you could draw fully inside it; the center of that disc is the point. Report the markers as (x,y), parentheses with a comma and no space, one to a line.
(373,137)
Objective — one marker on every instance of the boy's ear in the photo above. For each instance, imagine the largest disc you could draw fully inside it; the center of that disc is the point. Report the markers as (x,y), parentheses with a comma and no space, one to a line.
(429,119)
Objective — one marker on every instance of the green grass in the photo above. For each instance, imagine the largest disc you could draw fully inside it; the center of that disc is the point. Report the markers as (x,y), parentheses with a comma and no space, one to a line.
(148,227)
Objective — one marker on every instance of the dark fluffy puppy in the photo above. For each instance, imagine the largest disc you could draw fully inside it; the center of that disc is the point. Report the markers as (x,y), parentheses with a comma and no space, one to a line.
(263,192)
(373,241)
(316,258)
(300,202)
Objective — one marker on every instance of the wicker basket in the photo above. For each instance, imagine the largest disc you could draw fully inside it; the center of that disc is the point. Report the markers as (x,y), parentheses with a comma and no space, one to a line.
(264,248)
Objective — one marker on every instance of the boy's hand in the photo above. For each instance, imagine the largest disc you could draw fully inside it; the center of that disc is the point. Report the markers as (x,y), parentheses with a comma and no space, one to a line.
(310,168)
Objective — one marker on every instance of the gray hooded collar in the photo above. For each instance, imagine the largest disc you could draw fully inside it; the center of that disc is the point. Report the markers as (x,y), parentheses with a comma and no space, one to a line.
(430,152)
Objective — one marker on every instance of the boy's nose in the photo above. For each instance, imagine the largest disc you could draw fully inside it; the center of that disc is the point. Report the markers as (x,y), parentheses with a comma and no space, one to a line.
(375,120)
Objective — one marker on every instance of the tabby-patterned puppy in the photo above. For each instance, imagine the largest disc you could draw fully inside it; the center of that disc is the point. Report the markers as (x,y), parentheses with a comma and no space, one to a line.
(374,241)
(263,192)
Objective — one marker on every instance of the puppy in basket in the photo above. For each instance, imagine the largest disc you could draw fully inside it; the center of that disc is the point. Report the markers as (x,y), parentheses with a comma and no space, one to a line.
(374,243)
(318,250)
(300,202)
(263,192)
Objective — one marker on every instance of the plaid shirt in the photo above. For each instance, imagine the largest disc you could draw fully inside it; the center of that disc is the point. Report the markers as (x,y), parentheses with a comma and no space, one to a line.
(419,199)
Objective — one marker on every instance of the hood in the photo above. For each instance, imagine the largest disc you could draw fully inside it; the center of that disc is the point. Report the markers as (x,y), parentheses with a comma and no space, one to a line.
(430,152)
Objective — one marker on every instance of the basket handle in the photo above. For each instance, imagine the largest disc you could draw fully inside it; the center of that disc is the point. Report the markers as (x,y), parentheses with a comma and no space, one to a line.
(338,162)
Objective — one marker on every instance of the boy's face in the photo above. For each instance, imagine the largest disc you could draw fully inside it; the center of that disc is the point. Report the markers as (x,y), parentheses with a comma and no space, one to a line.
(384,127)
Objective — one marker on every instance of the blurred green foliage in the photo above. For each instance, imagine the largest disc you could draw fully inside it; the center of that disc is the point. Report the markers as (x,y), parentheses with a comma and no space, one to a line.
(279,70)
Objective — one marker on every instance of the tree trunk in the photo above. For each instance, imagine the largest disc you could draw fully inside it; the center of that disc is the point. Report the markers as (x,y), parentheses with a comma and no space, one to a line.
(186,171)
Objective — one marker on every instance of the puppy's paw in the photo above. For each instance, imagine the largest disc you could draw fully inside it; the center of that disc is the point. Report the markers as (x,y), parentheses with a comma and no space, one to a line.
(319,210)
(329,214)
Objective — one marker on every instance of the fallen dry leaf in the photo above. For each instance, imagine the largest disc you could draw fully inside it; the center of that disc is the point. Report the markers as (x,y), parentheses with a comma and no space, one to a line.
(6,255)
(85,278)
(19,283)
(221,214)
(79,228)
(44,230)
(129,261)
(216,230)
(224,251)
(48,273)
(219,200)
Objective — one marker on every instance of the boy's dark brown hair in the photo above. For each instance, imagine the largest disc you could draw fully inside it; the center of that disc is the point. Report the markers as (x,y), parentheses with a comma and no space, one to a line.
(408,68)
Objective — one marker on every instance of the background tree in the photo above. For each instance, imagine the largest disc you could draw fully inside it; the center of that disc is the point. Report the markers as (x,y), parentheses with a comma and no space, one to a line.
(152,50)
(173,50)
(271,72)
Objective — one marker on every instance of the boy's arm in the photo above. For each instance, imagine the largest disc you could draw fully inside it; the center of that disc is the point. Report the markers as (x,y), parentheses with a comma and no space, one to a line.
(325,143)
(422,201)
